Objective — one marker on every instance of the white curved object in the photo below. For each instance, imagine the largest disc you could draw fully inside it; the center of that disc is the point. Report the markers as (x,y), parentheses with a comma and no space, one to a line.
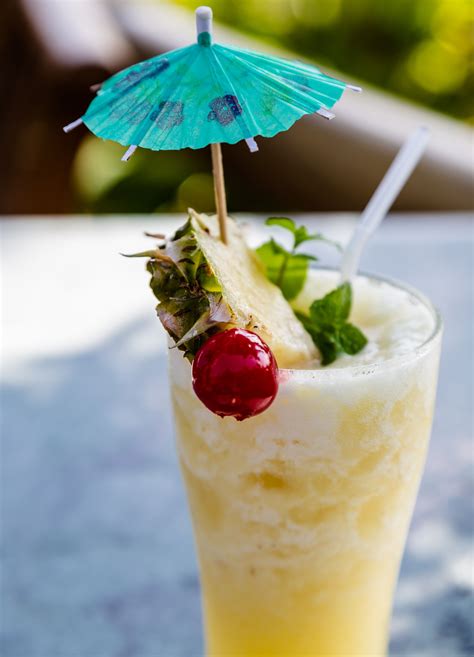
(390,187)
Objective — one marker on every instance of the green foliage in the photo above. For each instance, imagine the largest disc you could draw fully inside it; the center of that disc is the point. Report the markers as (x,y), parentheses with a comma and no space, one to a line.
(328,326)
(327,320)
(333,310)
(351,339)
(287,268)
(300,233)
(167,181)
(418,49)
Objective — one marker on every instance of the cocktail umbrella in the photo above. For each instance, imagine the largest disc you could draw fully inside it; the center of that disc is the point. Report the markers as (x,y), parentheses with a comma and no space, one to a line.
(207,93)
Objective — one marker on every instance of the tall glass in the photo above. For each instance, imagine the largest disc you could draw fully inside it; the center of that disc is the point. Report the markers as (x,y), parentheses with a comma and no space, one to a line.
(301,514)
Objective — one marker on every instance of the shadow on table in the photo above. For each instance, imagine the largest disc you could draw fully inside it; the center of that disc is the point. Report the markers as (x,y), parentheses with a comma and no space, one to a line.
(97,542)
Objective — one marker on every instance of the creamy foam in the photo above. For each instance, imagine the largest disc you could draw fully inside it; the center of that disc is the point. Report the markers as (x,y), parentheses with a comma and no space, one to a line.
(395,320)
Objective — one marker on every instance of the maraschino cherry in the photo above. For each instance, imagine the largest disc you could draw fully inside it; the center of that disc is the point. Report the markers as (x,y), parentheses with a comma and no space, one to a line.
(235,374)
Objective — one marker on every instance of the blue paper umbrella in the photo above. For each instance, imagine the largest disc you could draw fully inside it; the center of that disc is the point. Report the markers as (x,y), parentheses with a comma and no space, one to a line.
(207,93)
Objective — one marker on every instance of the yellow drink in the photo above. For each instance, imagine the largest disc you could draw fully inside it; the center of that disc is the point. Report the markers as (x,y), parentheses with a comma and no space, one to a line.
(301,514)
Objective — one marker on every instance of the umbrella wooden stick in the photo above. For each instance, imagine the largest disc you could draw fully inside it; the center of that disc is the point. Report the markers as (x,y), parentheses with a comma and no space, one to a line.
(219,190)
(204,27)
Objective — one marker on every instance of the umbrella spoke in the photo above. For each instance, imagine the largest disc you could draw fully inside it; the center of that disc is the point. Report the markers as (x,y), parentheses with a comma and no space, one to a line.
(129,152)
(326,114)
(252,144)
(72,126)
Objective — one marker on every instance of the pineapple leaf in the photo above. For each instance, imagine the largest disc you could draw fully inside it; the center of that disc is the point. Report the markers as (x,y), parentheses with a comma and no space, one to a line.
(218,312)
(178,315)
(157,254)
(191,304)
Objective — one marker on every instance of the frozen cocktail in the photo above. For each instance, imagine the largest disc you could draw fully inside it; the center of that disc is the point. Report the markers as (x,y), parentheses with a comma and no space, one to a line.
(303,409)
(301,513)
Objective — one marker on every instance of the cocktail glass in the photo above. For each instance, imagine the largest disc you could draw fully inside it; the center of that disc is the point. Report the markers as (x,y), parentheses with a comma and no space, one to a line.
(301,514)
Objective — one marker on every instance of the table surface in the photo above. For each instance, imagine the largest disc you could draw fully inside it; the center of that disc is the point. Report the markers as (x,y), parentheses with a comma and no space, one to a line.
(97,546)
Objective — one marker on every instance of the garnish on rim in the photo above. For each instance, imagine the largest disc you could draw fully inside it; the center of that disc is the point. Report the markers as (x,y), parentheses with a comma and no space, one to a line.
(235,374)
(328,326)
(205,286)
(191,306)
(327,320)
(288,269)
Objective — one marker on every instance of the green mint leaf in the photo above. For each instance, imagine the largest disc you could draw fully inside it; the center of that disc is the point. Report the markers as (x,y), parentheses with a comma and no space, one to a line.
(327,346)
(306,256)
(300,233)
(304,319)
(294,276)
(327,320)
(288,269)
(283,222)
(351,339)
(332,311)
(270,251)
(272,256)
(283,268)
(278,249)
(328,327)
(326,342)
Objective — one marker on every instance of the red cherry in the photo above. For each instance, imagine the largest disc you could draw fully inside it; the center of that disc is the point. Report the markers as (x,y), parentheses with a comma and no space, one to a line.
(235,373)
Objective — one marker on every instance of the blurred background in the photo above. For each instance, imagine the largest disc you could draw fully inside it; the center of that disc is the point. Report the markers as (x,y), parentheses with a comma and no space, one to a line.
(412,57)
(96,542)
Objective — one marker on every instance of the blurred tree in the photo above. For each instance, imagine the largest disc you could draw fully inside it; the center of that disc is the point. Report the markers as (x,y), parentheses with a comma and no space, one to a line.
(165,181)
(420,49)
(170,180)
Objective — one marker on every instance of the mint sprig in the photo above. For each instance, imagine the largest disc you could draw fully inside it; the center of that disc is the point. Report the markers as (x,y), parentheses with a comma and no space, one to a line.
(328,326)
(288,269)
(327,322)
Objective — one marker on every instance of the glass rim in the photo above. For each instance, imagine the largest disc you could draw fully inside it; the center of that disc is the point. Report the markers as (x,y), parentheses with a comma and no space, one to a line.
(371,368)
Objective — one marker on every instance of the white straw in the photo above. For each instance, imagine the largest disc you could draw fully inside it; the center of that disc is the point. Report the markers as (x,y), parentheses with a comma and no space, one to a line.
(390,187)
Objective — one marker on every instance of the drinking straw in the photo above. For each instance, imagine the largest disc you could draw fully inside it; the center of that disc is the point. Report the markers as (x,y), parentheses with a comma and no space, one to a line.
(389,188)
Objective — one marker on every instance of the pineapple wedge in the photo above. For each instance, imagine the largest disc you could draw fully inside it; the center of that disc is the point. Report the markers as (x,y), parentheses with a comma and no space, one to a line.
(204,286)
(256,303)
